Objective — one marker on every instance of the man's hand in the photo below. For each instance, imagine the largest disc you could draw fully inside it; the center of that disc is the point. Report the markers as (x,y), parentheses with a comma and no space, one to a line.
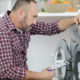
(45,74)
(48,75)
(68,22)
(77,19)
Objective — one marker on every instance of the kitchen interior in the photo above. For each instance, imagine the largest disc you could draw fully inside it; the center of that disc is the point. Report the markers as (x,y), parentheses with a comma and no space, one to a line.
(42,49)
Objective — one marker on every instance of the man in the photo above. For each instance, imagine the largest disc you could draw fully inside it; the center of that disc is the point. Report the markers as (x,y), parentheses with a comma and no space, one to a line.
(15,30)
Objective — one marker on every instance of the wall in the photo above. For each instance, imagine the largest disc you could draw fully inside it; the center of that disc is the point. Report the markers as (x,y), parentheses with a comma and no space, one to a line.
(6,5)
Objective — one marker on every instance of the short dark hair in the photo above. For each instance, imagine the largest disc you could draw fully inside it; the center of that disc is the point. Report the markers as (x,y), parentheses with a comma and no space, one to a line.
(20,3)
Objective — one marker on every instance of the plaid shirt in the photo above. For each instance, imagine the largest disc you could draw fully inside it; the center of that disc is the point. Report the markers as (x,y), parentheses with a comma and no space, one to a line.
(14,44)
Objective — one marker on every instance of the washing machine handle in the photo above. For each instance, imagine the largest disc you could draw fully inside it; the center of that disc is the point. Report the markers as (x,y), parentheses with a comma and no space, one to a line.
(59,64)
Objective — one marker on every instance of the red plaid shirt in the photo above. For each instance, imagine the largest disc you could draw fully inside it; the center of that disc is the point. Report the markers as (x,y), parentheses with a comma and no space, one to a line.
(14,44)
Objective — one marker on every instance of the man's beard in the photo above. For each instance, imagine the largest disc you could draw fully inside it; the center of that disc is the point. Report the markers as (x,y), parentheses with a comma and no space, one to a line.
(24,25)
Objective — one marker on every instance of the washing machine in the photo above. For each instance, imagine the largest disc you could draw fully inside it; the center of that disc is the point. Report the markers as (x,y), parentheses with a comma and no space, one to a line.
(71,53)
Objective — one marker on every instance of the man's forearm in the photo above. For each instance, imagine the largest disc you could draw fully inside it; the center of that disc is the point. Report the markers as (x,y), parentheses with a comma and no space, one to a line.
(65,23)
(32,75)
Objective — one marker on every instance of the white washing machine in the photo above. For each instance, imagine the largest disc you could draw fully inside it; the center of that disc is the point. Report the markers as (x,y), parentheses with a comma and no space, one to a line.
(70,53)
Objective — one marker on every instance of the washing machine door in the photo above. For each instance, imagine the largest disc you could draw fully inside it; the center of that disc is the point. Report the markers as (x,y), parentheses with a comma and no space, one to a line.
(62,53)
(75,52)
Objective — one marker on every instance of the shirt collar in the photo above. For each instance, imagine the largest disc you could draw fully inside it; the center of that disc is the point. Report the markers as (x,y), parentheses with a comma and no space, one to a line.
(8,21)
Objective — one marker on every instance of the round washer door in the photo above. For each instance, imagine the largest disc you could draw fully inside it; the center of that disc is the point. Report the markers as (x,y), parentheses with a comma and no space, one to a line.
(62,53)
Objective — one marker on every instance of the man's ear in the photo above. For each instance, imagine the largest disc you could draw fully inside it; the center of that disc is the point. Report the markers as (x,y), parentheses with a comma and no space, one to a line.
(21,13)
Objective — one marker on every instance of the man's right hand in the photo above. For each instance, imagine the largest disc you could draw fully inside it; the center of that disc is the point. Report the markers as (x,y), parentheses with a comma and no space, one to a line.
(45,74)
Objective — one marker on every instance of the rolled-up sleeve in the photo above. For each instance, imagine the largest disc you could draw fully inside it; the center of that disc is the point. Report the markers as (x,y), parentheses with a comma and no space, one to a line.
(7,67)
(46,28)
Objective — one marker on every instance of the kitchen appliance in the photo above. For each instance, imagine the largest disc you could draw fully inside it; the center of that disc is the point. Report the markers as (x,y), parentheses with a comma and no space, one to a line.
(70,53)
